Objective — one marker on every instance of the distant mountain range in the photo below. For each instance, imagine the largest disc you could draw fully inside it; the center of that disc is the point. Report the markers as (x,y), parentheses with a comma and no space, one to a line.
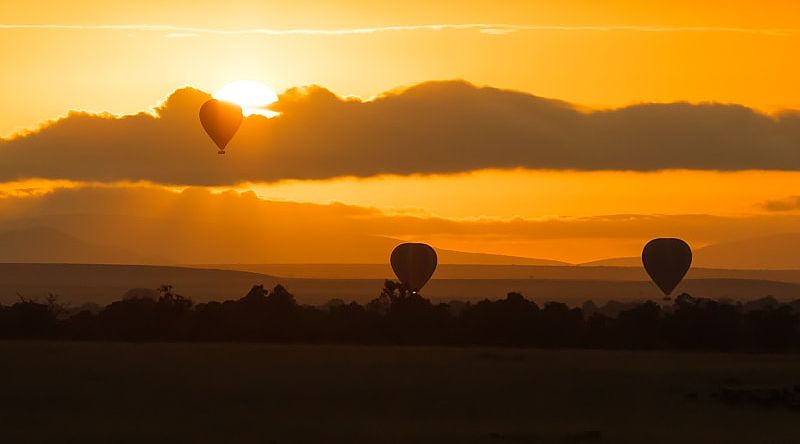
(44,244)
(767,252)
(125,240)
(776,252)
(77,284)
(501,272)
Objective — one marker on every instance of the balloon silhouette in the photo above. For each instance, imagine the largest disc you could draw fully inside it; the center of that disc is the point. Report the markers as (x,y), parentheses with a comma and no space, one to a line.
(667,260)
(221,120)
(413,264)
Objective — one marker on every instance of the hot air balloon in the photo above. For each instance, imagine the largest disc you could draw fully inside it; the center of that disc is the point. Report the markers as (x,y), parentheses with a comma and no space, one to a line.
(667,260)
(221,120)
(413,264)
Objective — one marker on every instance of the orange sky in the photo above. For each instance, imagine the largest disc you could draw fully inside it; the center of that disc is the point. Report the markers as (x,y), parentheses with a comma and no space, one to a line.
(508,194)
(127,57)
(690,50)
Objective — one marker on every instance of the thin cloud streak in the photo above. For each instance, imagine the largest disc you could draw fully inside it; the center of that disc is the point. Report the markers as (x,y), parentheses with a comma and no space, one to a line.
(485,28)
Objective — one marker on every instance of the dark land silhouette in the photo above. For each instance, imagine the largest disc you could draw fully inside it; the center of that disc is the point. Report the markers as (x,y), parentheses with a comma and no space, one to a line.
(400,317)
(123,392)
(77,284)
(500,272)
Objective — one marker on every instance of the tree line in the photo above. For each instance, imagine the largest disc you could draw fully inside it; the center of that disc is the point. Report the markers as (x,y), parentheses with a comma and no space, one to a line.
(400,317)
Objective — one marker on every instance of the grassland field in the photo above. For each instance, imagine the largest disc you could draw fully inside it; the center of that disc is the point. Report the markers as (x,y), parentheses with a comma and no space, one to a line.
(253,393)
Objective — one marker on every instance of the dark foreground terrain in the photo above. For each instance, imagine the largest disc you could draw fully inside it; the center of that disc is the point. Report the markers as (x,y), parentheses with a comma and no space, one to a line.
(169,393)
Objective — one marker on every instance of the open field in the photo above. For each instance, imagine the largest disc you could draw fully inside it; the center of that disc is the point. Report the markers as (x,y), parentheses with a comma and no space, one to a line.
(133,393)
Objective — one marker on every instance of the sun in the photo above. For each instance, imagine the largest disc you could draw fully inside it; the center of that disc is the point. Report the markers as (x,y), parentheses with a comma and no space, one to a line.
(252,96)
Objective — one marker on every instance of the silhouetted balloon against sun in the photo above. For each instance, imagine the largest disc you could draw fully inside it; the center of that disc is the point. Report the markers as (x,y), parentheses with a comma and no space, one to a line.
(221,120)
(414,264)
(667,260)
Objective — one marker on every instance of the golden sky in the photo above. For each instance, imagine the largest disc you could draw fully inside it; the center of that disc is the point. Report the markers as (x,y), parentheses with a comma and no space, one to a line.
(592,53)
(128,57)
(540,194)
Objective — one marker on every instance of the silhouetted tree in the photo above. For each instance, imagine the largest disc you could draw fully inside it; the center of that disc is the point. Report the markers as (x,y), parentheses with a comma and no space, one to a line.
(351,323)
(776,328)
(639,327)
(511,321)
(29,320)
(560,326)
(391,291)
(704,324)
(408,318)
(399,316)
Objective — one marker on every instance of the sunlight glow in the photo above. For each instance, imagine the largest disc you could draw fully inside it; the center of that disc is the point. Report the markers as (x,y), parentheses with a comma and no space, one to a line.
(254,97)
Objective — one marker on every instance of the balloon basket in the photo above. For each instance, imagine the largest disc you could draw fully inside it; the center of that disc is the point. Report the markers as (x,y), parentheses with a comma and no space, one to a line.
(221,152)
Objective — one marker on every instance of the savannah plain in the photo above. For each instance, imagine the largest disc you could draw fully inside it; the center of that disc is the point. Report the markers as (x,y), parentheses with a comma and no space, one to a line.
(166,393)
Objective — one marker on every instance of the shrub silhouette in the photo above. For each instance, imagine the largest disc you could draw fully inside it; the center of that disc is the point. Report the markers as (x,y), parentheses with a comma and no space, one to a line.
(27,319)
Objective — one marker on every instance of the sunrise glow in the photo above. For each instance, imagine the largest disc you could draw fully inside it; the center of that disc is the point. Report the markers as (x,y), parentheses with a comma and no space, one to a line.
(254,97)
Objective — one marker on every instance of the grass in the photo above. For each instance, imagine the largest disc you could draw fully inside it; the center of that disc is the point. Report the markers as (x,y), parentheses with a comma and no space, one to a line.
(135,393)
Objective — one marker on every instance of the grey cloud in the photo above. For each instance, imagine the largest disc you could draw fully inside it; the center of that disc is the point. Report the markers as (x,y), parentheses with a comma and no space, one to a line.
(434,127)
(787,204)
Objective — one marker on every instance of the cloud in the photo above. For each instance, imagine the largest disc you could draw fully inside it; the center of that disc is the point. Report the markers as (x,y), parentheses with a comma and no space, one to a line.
(433,127)
(497,31)
(786,204)
(485,28)
(198,226)
(181,35)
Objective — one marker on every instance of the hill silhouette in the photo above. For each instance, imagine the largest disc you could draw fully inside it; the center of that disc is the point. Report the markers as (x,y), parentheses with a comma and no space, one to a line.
(44,244)
(767,252)
(77,284)
(500,272)
(86,283)
(614,262)
(87,238)
(196,241)
(196,226)
(773,252)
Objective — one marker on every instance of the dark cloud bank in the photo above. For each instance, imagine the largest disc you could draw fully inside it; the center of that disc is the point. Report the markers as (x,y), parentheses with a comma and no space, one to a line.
(434,127)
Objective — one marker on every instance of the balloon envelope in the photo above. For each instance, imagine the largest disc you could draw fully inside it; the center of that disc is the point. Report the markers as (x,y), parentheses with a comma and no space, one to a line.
(221,120)
(414,264)
(667,260)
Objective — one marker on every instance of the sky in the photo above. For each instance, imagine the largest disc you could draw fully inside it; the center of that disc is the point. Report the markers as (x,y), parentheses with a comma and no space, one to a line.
(531,112)
(125,57)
